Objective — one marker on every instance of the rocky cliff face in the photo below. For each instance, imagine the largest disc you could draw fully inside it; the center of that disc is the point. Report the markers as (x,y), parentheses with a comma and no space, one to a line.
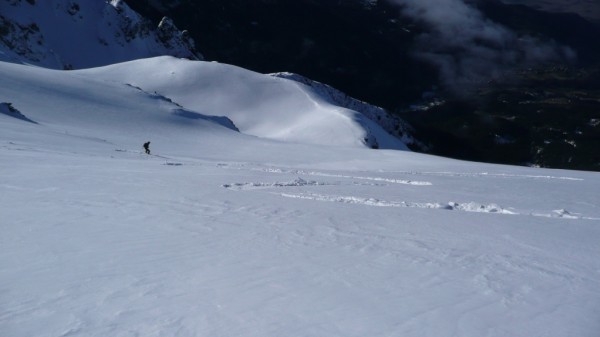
(71,34)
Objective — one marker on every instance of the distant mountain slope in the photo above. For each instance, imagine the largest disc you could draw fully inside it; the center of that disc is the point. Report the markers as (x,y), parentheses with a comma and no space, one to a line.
(71,34)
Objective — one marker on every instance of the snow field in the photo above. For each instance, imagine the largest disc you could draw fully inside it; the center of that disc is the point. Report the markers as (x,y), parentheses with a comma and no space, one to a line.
(221,233)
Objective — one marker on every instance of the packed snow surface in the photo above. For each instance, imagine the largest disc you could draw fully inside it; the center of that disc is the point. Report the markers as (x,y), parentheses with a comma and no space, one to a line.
(231,228)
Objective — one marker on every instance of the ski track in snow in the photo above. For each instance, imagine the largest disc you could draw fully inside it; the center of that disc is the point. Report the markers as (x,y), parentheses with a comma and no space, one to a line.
(467,207)
(257,185)
(404,181)
(378,179)
(486,174)
(330,175)
(451,206)
(474,207)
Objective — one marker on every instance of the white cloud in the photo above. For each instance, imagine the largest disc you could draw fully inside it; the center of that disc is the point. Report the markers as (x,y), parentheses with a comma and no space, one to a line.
(469,48)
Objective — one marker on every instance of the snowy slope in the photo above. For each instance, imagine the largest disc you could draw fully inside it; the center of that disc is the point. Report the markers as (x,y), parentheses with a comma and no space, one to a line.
(219,233)
(66,34)
(259,105)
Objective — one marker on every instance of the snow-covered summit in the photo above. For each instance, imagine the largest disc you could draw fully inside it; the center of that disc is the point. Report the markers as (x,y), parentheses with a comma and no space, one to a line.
(73,34)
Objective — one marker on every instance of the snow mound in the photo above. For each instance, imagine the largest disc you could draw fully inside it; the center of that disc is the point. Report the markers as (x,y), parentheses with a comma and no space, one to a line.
(109,112)
(259,105)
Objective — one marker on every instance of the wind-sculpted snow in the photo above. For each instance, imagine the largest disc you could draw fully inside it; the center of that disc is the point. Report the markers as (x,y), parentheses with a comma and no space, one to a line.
(218,233)
(392,124)
(8,110)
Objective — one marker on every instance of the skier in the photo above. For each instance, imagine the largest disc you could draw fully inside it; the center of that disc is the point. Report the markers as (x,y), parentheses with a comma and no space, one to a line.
(147,147)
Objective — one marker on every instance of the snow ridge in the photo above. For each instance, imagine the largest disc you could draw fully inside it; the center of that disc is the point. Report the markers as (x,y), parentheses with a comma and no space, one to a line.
(392,124)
